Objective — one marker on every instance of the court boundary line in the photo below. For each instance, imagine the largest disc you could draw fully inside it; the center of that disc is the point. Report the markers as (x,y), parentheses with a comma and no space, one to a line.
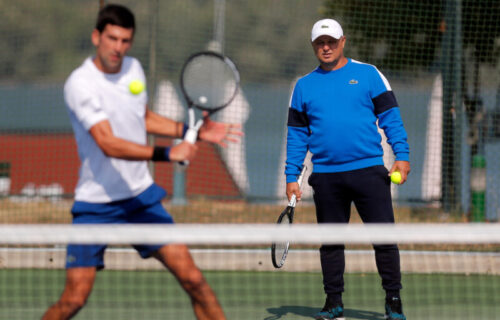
(300,260)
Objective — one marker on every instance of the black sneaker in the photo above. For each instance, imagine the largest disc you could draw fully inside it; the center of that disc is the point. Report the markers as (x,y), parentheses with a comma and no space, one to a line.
(329,312)
(394,309)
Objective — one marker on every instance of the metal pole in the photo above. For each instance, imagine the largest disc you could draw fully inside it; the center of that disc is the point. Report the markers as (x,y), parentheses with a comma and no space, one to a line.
(447,156)
(219,24)
(217,44)
(459,109)
(153,38)
(153,26)
(478,167)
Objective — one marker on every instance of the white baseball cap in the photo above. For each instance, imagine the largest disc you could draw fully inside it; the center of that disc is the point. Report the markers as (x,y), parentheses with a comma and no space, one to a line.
(326,27)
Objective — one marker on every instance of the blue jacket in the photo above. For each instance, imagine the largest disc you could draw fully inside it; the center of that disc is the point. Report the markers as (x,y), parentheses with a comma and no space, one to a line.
(334,115)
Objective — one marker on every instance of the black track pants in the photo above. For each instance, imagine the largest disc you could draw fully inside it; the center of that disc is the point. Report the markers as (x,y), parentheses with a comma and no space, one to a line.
(369,189)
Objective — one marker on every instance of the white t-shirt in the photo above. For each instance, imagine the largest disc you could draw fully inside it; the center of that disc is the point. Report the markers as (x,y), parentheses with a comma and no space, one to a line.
(92,96)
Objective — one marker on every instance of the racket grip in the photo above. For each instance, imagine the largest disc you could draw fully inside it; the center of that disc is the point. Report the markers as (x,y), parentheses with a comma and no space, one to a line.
(301,176)
(293,201)
(191,135)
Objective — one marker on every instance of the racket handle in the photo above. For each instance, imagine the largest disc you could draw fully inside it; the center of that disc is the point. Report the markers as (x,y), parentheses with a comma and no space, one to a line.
(293,201)
(301,176)
(191,135)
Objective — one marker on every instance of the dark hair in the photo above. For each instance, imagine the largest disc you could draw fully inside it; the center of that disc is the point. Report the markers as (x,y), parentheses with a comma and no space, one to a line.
(117,15)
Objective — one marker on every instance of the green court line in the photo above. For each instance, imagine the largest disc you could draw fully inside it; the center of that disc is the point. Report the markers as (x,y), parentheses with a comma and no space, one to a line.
(144,295)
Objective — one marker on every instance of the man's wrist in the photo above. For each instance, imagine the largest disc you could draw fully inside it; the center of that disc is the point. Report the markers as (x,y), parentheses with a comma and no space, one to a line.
(183,130)
(161,154)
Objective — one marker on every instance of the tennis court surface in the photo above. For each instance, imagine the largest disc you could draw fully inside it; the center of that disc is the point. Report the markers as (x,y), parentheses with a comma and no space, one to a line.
(450,274)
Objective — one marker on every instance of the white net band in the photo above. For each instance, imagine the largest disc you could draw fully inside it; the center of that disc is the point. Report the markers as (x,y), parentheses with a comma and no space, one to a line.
(252,234)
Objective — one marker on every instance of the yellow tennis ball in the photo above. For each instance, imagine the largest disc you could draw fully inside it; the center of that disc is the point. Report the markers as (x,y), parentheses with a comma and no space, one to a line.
(396,177)
(136,87)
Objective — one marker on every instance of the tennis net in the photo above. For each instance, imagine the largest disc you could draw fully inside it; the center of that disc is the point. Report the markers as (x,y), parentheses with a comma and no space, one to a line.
(449,271)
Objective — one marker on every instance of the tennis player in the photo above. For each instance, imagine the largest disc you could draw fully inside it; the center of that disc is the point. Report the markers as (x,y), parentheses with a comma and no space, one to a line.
(334,112)
(110,124)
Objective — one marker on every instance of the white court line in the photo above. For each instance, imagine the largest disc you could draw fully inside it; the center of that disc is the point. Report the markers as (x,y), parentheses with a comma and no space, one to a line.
(299,260)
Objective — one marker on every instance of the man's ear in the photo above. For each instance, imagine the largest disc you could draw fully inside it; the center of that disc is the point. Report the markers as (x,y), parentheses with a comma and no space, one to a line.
(95,37)
(312,46)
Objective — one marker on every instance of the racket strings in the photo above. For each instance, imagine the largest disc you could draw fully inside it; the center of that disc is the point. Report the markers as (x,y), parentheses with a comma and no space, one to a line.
(209,82)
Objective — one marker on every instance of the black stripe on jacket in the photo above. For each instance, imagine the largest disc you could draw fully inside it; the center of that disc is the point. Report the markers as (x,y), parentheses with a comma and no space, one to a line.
(384,102)
(297,118)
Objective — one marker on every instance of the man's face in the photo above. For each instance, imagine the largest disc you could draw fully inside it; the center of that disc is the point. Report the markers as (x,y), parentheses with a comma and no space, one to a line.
(112,44)
(328,50)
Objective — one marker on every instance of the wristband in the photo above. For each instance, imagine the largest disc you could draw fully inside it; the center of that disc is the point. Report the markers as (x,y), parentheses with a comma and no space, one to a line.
(161,154)
(185,128)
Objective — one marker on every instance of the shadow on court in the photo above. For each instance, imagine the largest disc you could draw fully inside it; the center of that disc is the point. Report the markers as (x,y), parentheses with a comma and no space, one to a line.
(284,312)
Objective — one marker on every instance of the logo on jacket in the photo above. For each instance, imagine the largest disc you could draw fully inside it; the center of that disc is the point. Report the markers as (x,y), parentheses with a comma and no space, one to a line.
(353,81)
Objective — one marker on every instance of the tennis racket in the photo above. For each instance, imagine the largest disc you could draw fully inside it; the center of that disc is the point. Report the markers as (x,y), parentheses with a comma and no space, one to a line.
(209,82)
(279,250)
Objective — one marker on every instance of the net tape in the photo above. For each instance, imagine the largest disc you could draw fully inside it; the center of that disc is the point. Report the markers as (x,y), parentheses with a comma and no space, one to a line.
(251,233)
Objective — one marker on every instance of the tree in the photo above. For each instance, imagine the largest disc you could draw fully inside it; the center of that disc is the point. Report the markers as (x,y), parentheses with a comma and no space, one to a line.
(409,32)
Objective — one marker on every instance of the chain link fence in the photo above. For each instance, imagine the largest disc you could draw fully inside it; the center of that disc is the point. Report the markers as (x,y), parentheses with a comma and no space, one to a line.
(441,59)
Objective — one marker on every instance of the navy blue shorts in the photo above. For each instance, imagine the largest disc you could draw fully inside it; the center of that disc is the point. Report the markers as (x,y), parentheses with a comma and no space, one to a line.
(144,208)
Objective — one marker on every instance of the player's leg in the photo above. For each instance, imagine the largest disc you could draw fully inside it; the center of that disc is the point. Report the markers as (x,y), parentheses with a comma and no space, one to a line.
(333,205)
(79,283)
(82,262)
(374,203)
(175,257)
(179,261)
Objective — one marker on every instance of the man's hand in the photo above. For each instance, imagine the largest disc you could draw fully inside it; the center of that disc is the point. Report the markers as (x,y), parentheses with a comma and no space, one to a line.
(403,167)
(184,151)
(293,188)
(218,132)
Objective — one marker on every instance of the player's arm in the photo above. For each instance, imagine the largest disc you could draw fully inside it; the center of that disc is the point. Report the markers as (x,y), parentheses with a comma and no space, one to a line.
(296,149)
(389,120)
(115,147)
(156,124)
(210,131)
(387,111)
(297,145)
